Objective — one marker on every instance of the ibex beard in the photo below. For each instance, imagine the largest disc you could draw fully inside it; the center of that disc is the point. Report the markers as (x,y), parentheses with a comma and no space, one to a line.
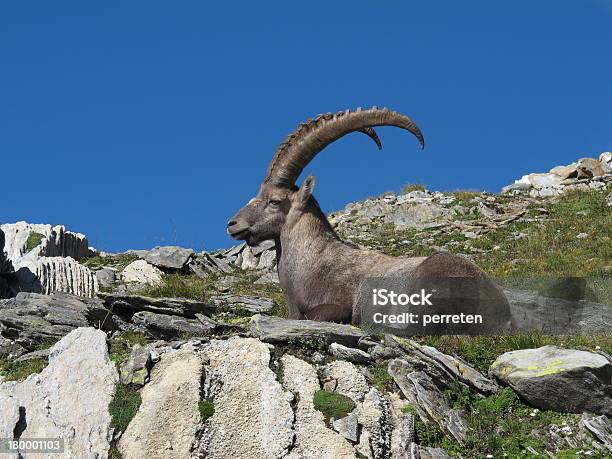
(322,276)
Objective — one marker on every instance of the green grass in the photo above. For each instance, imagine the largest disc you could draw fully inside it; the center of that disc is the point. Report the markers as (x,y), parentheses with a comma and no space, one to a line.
(381,379)
(464,197)
(481,351)
(114,261)
(124,406)
(332,405)
(120,348)
(412,187)
(501,425)
(18,371)
(206,408)
(553,248)
(34,239)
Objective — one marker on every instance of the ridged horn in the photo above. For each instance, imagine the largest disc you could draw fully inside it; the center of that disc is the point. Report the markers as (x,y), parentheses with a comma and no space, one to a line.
(302,145)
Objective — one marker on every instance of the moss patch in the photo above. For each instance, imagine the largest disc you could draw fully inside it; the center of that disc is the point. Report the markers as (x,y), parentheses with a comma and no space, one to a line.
(332,405)
(206,409)
(124,406)
(34,240)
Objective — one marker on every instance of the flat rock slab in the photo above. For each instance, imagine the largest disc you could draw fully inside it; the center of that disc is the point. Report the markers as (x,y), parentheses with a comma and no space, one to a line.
(243,302)
(169,257)
(35,316)
(253,416)
(166,424)
(167,326)
(68,399)
(313,437)
(350,354)
(174,306)
(559,379)
(276,330)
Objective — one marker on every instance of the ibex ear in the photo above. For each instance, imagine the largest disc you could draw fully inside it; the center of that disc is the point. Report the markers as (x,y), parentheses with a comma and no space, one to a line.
(306,189)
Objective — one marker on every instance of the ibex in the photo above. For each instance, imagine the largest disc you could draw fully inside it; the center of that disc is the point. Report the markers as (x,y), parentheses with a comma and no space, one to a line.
(320,275)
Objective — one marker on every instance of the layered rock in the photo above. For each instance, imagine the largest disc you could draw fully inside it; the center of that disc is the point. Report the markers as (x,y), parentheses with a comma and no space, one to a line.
(45,259)
(69,399)
(47,275)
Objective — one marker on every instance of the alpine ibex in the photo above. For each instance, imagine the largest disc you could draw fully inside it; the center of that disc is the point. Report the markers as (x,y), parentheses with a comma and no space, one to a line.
(320,275)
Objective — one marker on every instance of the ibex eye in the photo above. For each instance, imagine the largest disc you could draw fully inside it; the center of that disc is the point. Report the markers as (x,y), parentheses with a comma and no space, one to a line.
(274,202)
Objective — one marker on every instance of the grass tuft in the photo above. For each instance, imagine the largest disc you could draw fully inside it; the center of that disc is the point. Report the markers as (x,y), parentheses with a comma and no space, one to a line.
(124,406)
(206,408)
(18,371)
(332,405)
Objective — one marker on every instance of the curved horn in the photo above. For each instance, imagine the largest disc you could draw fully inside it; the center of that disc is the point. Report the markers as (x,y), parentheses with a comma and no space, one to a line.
(302,145)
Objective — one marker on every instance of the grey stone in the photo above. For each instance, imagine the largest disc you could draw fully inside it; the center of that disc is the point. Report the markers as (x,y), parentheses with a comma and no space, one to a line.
(30,316)
(267,260)
(69,399)
(225,283)
(136,370)
(379,353)
(39,354)
(106,277)
(276,330)
(205,264)
(243,302)
(554,378)
(431,404)
(167,421)
(348,427)
(350,382)
(259,249)
(249,260)
(444,369)
(169,257)
(253,416)
(599,426)
(167,327)
(350,354)
(174,306)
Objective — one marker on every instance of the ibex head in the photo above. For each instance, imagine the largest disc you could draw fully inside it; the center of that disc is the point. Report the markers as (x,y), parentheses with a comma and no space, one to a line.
(279,202)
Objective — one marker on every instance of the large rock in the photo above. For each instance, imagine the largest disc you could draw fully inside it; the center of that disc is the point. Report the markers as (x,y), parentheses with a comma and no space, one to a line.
(69,399)
(312,437)
(166,423)
(276,330)
(30,316)
(141,272)
(130,304)
(554,378)
(244,303)
(253,416)
(169,257)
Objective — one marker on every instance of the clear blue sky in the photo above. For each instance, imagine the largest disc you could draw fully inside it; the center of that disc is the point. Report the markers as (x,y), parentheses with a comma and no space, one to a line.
(146,123)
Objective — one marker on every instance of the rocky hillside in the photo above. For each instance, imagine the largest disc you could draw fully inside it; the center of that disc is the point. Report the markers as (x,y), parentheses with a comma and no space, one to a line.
(191,355)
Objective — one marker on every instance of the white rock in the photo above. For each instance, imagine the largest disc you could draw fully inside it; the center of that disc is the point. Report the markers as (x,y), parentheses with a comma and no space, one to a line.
(267,259)
(56,241)
(253,417)
(350,381)
(142,272)
(69,398)
(606,162)
(47,275)
(166,423)
(249,261)
(313,438)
